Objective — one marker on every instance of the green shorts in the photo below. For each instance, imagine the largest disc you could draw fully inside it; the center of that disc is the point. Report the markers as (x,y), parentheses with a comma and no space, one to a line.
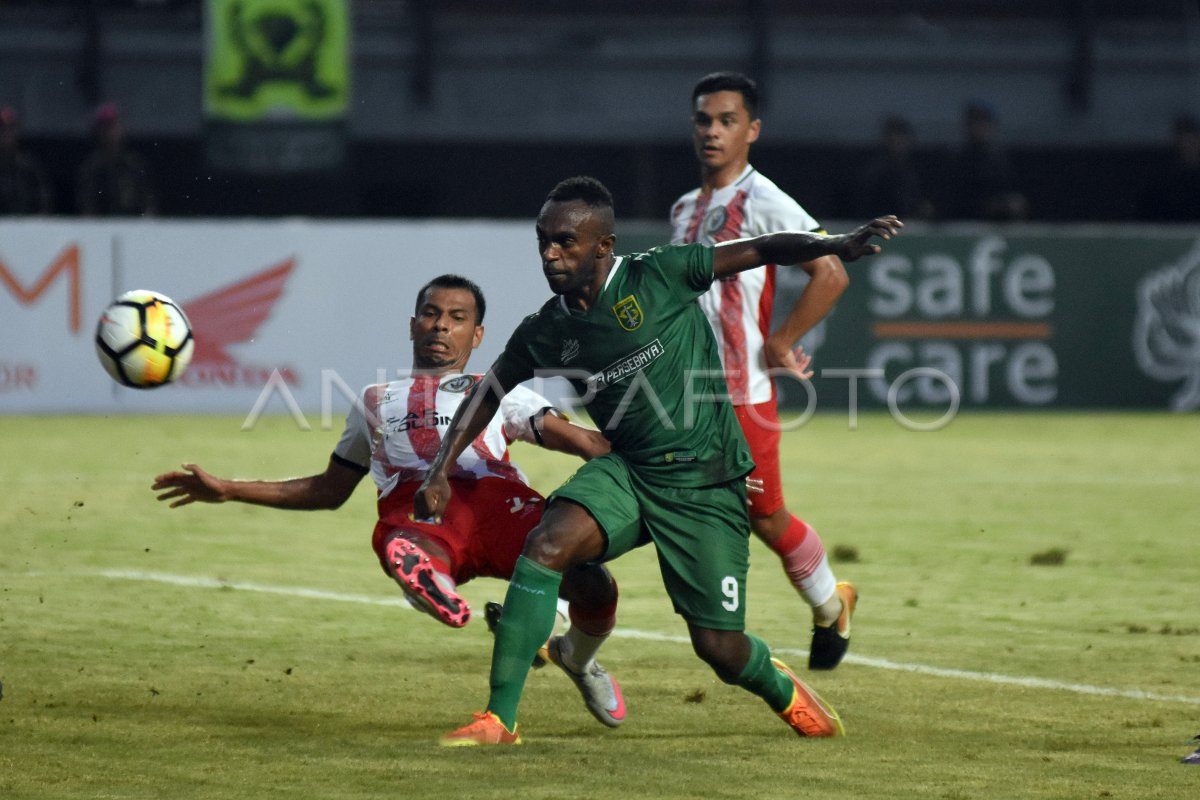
(701,534)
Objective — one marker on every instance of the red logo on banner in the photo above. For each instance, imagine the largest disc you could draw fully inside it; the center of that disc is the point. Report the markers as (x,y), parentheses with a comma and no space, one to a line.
(229,316)
(68,262)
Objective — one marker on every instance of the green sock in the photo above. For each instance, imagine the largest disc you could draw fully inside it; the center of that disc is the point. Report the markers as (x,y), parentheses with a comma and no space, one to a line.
(762,678)
(528,620)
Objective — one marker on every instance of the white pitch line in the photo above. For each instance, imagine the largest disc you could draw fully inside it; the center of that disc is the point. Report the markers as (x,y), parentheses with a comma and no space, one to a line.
(627,633)
(962,674)
(1012,680)
(220,583)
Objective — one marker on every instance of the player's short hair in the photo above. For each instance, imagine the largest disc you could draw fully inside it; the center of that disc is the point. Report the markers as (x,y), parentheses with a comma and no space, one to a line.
(729,82)
(584,189)
(451,281)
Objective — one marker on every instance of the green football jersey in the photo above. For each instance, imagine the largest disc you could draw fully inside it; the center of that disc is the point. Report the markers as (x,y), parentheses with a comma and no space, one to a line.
(644,361)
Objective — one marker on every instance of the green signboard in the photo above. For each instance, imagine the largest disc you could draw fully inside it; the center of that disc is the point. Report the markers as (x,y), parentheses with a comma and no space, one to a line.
(276,84)
(959,317)
(277,59)
(1024,318)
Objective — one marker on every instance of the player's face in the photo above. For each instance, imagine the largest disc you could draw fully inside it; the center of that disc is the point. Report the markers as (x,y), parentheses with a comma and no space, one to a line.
(722,132)
(572,238)
(444,330)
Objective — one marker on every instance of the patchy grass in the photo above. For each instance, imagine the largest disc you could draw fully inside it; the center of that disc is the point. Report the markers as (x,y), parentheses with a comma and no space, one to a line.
(1054,557)
(973,674)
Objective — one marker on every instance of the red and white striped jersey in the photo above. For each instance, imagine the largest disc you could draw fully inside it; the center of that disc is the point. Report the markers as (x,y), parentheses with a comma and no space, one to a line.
(739,307)
(395,429)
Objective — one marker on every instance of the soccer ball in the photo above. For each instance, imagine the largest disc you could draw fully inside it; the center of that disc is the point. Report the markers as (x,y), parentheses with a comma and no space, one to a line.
(144,340)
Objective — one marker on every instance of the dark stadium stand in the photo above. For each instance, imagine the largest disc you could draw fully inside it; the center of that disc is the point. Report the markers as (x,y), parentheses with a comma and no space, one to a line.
(1089,176)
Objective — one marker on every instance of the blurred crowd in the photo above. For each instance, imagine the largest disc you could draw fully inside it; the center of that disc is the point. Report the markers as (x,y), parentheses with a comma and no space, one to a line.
(976,180)
(111,181)
(979,181)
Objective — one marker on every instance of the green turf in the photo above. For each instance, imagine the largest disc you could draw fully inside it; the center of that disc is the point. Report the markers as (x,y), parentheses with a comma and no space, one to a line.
(116,687)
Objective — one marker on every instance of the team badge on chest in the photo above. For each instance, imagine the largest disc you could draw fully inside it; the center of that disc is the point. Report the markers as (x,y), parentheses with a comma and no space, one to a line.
(629,313)
(458,385)
(714,221)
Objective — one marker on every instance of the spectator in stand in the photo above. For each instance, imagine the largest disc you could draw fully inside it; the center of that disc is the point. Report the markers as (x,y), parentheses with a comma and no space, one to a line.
(891,180)
(114,181)
(24,188)
(1172,193)
(981,180)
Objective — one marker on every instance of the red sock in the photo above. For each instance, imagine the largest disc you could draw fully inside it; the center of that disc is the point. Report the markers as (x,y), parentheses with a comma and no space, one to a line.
(803,556)
(595,621)
(792,538)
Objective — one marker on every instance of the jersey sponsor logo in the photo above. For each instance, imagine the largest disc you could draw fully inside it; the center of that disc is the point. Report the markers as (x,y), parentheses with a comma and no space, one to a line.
(629,313)
(626,366)
(413,420)
(570,349)
(714,221)
(459,384)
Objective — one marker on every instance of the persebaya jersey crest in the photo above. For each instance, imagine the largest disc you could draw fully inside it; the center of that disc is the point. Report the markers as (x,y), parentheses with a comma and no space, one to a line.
(714,221)
(459,384)
(629,313)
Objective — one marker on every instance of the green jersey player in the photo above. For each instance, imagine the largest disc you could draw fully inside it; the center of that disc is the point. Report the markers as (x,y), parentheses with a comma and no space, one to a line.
(628,334)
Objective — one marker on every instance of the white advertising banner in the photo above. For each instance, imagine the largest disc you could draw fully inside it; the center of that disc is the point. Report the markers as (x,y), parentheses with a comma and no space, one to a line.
(289,316)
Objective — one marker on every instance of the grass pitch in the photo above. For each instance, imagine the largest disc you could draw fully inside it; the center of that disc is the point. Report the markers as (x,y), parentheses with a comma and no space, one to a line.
(1027,628)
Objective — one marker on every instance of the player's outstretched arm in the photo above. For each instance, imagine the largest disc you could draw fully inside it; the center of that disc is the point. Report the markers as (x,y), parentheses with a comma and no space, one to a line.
(327,490)
(793,247)
(193,485)
(566,437)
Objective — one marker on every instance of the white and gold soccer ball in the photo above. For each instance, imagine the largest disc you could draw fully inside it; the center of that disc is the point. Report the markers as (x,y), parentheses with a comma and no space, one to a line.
(144,340)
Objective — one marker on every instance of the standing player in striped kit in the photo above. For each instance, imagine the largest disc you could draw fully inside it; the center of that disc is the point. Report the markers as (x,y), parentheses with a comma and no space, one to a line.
(735,201)
(393,432)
